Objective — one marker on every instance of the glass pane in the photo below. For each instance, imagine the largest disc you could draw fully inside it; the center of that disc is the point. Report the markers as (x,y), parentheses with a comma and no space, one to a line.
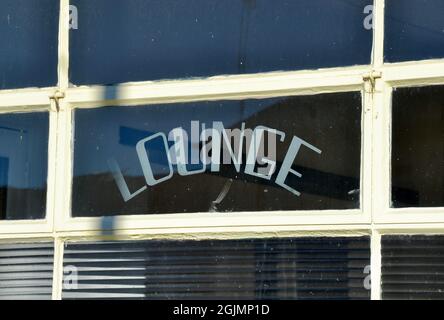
(29,35)
(414,30)
(252,269)
(134,40)
(128,160)
(23,165)
(418,147)
(412,267)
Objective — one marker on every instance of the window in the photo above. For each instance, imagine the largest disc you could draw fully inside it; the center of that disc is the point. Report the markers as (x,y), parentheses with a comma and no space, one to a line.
(300,136)
(412,267)
(23,165)
(414,30)
(28,30)
(306,136)
(26,271)
(152,40)
(263,269)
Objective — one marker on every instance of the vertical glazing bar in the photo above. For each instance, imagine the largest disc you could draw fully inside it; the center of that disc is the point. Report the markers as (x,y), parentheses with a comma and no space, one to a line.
(52,164)
(64,165)
(57,284)
(375,261)
(381,152)
(63,65)
(378,33)
(367,147)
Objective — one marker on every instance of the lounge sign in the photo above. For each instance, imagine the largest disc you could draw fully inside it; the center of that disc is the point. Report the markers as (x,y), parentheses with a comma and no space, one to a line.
(208,147)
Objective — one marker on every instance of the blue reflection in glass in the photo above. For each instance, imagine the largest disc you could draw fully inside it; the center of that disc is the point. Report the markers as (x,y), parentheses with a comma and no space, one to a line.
(134,40)
(414,30)
(29,42)
(23,165)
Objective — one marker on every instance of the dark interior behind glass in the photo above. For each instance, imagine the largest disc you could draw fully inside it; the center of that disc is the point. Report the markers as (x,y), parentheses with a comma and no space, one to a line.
(23,165)
(418,147)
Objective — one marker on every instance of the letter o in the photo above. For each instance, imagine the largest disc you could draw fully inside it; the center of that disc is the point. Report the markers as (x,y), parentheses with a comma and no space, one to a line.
(145,162)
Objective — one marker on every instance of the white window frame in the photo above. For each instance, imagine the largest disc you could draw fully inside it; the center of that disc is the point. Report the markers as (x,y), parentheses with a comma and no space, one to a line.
(398,75)
(228,87)
(17,101)
(375,218)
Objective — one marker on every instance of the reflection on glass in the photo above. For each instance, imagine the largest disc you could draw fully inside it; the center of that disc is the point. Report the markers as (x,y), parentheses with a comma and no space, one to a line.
(23,165)
(418,147)
(414,30)
(29,35)
(135,40)
(126,159)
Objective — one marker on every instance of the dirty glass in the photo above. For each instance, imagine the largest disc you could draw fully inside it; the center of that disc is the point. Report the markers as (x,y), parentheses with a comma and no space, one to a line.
(418,147)
(134,40)
(23,165)
(289,153)
(245,269)
(412,267)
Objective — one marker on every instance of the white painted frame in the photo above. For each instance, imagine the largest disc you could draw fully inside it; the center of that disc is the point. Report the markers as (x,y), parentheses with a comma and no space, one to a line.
(229,87)
(375,217)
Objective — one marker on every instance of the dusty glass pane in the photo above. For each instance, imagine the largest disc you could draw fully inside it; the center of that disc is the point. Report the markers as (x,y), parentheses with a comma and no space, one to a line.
(126,159)
(29,34)
(418,147)
(414,30)
(23,165)
(134,40)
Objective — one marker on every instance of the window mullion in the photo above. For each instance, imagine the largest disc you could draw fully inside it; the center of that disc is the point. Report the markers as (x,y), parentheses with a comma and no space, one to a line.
(57,285)
(63,64)
(375,260)
(381,151)
(378,33)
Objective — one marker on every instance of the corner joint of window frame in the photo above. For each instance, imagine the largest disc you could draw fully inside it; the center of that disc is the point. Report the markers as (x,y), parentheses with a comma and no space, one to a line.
(370,80)
(55,100)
